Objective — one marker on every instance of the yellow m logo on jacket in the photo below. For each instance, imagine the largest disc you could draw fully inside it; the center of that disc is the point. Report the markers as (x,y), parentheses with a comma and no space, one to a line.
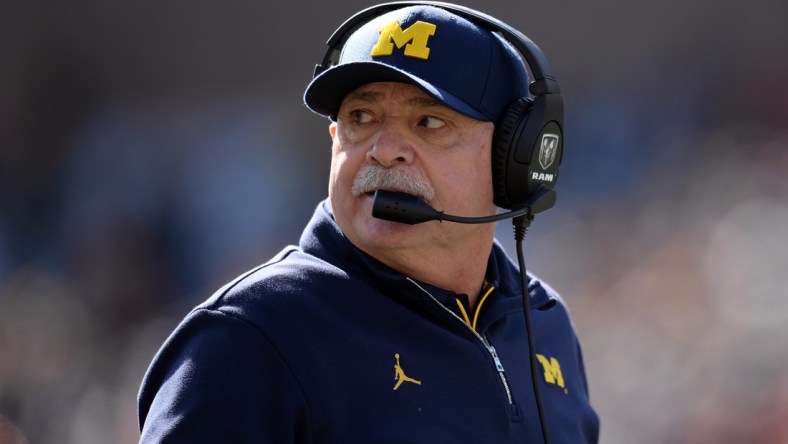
(414,39)
(552,371)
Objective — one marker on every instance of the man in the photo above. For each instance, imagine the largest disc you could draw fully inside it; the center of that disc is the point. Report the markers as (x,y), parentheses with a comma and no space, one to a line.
(375,331)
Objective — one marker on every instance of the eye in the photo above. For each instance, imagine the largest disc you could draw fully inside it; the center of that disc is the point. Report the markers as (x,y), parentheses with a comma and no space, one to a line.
(432,122)
(361,116)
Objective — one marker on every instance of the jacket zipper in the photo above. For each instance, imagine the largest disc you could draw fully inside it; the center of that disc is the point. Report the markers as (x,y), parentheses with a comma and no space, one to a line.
(482,339)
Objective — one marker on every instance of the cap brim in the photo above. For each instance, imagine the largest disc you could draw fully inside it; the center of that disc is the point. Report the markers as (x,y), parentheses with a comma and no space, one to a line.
(325,93)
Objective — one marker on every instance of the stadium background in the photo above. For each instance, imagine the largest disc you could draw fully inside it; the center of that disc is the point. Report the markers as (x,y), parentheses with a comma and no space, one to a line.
(150,151)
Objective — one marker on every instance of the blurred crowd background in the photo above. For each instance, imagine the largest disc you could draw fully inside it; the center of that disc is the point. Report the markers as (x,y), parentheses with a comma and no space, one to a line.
(150,151)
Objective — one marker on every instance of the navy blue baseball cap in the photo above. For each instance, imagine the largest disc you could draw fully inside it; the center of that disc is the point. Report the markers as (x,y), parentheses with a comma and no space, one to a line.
(469,68)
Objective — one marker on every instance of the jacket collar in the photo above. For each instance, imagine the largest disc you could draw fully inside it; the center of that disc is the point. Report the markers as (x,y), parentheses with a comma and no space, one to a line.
(323,239)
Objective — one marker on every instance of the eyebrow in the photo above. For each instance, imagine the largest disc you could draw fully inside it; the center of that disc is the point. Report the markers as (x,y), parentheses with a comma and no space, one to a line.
(424,102)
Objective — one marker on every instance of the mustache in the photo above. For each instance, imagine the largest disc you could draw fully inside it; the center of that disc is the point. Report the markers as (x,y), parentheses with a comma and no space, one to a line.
(373,177)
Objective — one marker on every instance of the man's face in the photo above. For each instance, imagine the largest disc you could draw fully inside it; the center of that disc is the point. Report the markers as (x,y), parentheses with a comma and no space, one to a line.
(436,153)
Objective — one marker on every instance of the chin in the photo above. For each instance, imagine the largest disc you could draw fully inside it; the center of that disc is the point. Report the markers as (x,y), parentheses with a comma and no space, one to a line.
(370,234)
(381,230)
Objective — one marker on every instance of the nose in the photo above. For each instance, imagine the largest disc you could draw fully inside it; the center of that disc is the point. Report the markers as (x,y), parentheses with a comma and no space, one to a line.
(392,145)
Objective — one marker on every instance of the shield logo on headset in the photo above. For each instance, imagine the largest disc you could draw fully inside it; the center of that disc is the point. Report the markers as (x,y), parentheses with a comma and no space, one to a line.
(547,150)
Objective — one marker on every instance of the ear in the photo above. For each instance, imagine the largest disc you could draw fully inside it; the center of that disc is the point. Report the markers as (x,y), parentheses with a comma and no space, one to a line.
(332,129)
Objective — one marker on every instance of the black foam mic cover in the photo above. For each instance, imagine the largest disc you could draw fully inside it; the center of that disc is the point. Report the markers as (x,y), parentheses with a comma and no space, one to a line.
(402,207)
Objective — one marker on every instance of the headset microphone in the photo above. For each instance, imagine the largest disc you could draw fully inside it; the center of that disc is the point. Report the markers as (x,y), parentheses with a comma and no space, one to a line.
(406,208)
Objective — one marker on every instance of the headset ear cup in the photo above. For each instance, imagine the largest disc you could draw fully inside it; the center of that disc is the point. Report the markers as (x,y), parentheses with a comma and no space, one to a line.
(510,125)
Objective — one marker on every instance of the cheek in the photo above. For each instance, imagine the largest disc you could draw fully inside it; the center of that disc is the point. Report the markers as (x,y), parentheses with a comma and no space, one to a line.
(484,165)
(466,185)
(336,172)
(475,179)
(482,181)
(479,166)
(344,166)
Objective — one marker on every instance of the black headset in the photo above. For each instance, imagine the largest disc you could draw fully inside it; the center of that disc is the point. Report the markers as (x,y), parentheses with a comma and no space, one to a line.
(527,146)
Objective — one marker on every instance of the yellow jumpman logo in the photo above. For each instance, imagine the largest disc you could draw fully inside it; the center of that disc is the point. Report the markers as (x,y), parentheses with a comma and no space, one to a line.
(399,375)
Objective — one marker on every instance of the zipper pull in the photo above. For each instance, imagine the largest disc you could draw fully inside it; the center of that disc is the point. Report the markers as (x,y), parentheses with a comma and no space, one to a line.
(498,364)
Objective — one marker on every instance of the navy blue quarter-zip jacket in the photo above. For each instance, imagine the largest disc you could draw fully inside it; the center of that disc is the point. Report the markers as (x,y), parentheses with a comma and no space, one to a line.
(324,344)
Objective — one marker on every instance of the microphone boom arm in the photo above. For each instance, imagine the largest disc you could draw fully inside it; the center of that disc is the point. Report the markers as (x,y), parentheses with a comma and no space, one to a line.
(409,209)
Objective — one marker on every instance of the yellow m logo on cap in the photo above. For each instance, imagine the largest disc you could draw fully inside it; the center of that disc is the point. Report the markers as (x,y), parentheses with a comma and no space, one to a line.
(416,36)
